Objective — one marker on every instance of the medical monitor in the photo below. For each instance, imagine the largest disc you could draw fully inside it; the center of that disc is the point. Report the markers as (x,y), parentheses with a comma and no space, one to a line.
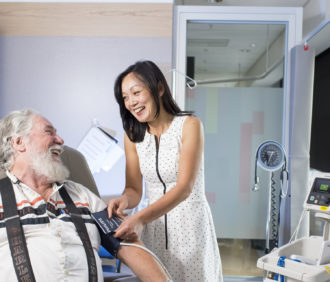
(318,199)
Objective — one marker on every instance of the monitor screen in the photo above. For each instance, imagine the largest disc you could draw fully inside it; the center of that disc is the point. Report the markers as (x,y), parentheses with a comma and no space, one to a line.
(322,185)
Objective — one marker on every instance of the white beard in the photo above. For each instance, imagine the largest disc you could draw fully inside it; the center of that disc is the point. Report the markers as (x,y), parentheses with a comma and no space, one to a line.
(44,164)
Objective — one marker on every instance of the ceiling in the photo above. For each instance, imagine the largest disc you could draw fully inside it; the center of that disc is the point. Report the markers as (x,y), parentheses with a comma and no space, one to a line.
(320,40)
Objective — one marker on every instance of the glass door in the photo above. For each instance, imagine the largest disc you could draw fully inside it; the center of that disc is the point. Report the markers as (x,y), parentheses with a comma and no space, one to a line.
(239,60)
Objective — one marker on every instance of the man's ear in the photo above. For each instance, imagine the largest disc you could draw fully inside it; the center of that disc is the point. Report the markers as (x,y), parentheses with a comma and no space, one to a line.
(18,144)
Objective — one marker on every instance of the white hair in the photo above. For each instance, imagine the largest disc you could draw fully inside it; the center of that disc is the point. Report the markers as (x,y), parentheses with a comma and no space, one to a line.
(15,124)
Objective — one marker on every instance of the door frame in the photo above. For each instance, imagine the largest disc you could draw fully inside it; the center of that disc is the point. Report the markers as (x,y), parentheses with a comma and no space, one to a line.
(292,17)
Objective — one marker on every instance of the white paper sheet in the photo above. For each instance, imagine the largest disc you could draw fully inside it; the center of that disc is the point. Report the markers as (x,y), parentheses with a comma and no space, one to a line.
(100,150)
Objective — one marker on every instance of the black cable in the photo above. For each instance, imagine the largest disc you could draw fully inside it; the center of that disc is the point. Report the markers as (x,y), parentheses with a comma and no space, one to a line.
(274,217)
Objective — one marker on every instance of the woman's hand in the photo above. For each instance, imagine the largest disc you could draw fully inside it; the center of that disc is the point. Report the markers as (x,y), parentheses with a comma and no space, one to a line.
(130,229)
(117,206)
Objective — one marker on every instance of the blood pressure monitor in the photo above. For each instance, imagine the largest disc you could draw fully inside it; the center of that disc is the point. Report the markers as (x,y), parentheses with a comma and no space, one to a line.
(318,199)
(270,156)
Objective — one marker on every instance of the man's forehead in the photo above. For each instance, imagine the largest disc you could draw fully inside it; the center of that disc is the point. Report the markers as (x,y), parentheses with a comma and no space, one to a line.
(41,122)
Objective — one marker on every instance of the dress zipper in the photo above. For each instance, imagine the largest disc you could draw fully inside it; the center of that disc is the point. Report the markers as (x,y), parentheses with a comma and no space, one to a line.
(164,185)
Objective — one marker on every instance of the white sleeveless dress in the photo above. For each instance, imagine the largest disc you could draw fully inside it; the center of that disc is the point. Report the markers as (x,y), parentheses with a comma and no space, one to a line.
(192,252)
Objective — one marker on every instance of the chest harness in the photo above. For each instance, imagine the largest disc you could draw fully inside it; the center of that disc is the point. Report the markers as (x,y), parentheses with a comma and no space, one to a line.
(16,238)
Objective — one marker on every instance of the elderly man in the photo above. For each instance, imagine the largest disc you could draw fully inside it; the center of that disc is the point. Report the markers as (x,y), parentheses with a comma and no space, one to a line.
(56,246)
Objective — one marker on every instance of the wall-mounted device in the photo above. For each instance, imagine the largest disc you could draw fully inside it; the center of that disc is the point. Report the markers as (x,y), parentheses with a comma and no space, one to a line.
(270,156)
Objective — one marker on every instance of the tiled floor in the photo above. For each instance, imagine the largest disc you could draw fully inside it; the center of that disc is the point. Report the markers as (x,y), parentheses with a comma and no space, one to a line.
(239,258)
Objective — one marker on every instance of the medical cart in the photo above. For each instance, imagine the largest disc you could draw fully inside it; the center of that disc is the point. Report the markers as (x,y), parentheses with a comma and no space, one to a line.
(305,259)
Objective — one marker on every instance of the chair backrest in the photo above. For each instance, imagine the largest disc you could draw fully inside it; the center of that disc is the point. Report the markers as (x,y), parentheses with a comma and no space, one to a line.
(78,167)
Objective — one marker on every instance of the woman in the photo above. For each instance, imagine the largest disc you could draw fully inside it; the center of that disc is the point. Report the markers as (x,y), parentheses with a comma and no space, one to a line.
(164,145)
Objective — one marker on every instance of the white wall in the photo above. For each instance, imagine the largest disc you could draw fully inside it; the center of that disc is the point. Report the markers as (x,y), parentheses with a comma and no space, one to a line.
(70,81)
(314,13)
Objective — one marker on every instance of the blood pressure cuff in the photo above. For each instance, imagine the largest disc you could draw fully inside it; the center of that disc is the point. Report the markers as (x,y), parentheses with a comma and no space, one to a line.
(107,227)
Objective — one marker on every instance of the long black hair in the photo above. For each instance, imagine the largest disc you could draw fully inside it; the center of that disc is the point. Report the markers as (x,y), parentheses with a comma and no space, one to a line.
(153,78)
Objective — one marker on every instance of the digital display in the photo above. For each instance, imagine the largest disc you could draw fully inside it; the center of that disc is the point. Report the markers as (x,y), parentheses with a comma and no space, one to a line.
(322,185)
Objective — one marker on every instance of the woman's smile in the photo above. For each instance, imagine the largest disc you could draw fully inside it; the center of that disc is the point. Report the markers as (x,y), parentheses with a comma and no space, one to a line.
(139,110)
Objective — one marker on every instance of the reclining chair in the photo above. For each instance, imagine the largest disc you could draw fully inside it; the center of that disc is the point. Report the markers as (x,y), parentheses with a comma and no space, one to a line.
(80,172)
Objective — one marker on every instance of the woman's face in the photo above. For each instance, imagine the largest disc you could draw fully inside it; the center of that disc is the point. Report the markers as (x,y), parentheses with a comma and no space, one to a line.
(138,99)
